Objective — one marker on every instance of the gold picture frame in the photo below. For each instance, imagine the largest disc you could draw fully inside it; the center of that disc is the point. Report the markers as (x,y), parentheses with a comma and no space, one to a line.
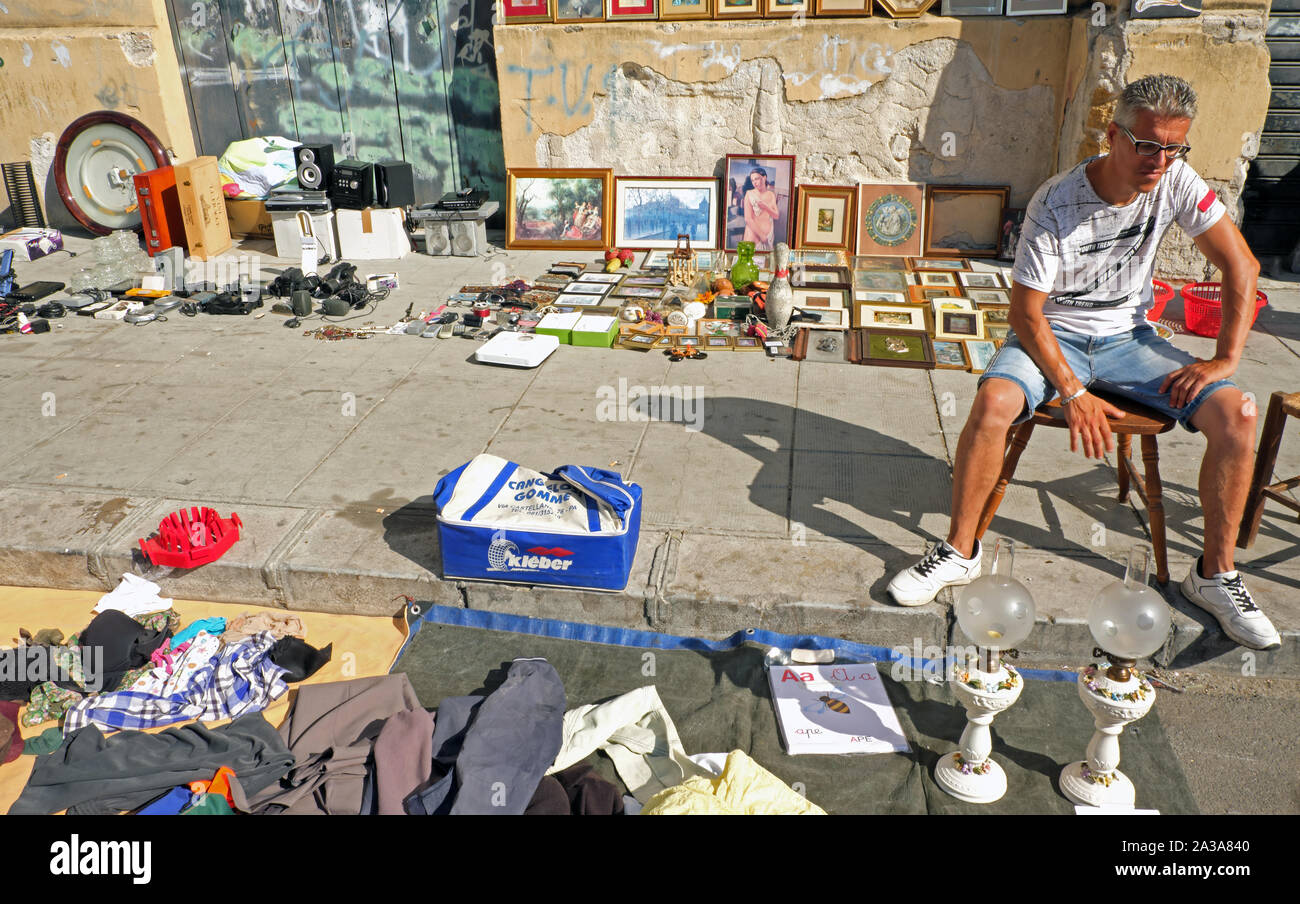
(558,217)
(828,209)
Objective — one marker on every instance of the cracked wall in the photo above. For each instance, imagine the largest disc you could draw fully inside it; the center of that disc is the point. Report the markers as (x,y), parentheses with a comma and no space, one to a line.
(65,58)
(939,100)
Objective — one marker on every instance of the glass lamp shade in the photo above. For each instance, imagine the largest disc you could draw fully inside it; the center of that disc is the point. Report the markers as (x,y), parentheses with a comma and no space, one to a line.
(1128,618)
(995,610)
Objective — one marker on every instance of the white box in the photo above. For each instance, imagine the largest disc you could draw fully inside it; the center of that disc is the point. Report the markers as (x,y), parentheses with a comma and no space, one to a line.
(517,349)
(372,234)
(288,232)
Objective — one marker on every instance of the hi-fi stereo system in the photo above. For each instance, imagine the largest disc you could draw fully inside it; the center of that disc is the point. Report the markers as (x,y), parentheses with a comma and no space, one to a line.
(348,184)
(352,184)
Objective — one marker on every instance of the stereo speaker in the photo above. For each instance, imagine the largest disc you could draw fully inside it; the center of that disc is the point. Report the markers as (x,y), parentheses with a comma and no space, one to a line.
(394,184)
(468,238)
(315,164)
(437,238)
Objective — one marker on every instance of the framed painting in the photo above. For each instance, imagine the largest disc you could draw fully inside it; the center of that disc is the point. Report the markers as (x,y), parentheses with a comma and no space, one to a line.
(995,315)
(939,305)
(973,280)
(949,355)
(825,217)
(716,343)
(981,354)
(803,276)
(936,278)
(926,294)
(1036,7)
(747,344)
(985,297)
(908,9)
(821,299)
(685,9)
(520,12)
(784,9)
(959,325)
(937,263)
(880,280)
(558,208)
(964,220)
(997,332)
(909,318)
(759,197)
(627,10)
(828,319)
(579,11)
(864,262)
(874,296)
(651,212)
(842,8)
(895,349)
(1013,220)
(655,260)
(890,219)
(738,9)
(972,7)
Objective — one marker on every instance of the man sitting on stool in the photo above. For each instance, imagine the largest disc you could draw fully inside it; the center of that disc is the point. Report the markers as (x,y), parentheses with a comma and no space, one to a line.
(1081,289)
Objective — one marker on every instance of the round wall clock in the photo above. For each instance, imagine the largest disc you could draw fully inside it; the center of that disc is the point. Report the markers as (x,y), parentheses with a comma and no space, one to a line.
(96,157)
(891,220)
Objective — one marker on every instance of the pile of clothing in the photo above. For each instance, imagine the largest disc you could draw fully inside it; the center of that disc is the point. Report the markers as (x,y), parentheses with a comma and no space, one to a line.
(367,746)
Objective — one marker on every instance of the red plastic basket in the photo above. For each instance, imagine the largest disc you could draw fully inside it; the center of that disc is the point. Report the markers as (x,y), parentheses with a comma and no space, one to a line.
(1164,293)
(1203,310)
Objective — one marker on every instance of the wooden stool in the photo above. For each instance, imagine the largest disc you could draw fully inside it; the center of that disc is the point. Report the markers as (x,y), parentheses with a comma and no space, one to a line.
(1280,406)
(1138,420)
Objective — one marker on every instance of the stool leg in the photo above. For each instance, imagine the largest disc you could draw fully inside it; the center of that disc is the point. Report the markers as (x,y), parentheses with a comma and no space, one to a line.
(1125,448)
(1155,505)
(1019,439)
(1269,443)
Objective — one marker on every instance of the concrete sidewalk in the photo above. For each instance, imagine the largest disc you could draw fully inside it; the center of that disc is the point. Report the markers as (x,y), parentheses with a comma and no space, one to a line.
(806,487)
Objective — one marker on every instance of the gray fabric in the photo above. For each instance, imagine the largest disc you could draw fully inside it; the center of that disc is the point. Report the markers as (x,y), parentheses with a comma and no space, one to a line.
(403,759)
(502,744)
(330,732)
(90,773)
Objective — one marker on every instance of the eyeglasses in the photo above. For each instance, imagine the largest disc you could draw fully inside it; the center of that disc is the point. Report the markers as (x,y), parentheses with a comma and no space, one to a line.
(1151,148)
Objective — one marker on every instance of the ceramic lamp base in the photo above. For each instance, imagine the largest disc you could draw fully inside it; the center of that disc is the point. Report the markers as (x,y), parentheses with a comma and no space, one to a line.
(982,787)
(1082,789)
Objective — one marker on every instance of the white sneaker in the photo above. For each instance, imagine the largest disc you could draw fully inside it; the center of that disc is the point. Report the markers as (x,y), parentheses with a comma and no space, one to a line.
(942,567)
(1226,598)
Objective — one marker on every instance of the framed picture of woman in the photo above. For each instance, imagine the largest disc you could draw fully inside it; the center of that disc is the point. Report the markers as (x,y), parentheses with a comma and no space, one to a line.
(759,193)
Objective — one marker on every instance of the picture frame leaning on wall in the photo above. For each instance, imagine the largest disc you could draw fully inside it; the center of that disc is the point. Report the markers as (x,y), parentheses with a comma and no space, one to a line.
(673,10)
(630,10)
(573,11)
(523,12)
(738,9)
(651,211)
(842,8)
(558,208)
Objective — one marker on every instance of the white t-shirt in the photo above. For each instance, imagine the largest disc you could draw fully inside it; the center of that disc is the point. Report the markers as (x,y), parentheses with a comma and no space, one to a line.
(1095,260)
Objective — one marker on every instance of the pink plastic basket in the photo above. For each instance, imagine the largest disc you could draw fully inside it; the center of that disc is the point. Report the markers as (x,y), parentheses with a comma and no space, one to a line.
(1164,293)
(1203,309)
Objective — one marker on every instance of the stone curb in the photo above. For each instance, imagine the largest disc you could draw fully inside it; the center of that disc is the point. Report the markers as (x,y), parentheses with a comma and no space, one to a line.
(336,561)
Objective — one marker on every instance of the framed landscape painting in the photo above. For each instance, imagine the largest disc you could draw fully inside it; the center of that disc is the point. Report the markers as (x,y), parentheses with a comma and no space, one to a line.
(652,212)
(759,197)
(558,208)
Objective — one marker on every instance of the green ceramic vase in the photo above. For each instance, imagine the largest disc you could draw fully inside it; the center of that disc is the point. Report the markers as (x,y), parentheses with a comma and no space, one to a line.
(745,270)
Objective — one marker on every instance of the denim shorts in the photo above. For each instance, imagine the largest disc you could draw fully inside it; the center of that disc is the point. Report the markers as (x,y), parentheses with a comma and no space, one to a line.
(1131,364)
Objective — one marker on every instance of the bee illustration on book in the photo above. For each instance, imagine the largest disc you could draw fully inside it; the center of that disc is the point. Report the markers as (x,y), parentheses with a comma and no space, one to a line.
(826,703)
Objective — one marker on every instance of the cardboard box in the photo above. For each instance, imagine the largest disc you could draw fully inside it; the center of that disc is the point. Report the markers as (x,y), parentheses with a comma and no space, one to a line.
(288,232)
(31,243)
(595,331)
(249,218)
(375,233)
(203,208)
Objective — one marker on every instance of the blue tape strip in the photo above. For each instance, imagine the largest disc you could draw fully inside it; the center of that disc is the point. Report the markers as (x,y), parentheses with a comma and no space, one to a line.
(495,487)
(626,637)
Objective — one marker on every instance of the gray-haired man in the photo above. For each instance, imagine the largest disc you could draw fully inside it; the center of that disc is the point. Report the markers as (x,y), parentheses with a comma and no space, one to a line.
(1081,290)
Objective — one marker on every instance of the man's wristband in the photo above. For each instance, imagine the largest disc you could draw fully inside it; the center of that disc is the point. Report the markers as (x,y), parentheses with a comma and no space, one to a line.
(1067,400)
